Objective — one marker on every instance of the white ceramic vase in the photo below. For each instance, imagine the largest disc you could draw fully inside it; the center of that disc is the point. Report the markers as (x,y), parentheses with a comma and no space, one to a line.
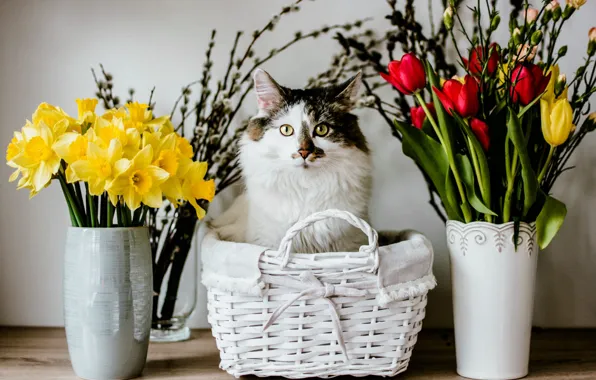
(493,297)
(107,301)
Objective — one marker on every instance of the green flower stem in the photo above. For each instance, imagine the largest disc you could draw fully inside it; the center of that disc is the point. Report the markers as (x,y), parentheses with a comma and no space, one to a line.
(464,201)
(121,222)
(507,157)
(546,164)
(73,209)
(430,118)
(110,211)
(480,178)
(509,192)
(90,208)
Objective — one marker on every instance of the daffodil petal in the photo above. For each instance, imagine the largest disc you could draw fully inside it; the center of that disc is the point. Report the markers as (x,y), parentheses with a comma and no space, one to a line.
(158,174)
(42,176)
(153,198)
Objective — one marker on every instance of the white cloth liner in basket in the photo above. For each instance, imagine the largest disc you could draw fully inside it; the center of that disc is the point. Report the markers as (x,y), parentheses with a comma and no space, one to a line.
(277,313)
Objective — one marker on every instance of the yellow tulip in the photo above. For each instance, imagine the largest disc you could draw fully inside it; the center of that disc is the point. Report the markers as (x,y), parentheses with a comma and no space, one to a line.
(37,155)
(138,181)
(195,187)
(557,121)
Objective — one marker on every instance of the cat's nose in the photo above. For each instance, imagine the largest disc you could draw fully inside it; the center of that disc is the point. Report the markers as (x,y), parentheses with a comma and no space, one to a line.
(304,153)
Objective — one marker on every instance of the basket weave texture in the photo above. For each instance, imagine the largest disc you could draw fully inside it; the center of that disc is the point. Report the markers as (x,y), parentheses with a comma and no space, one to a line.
(320,315)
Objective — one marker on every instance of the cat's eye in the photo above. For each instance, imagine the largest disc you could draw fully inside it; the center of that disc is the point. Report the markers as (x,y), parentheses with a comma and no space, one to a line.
(286,130)
(321,130)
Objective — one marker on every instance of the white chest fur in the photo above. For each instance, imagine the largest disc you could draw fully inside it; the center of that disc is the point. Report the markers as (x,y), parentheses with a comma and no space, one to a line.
(275,200)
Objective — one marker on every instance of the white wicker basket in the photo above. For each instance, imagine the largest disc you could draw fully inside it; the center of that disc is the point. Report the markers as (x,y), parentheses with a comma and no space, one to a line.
(319,314)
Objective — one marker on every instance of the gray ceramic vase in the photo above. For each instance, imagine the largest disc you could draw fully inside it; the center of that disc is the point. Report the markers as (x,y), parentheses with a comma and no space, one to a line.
(107,301)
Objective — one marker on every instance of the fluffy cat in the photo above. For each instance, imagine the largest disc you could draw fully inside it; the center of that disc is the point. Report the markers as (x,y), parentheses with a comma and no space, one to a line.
(302,153)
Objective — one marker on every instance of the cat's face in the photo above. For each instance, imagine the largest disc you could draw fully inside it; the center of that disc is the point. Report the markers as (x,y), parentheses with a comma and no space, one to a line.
(304,129)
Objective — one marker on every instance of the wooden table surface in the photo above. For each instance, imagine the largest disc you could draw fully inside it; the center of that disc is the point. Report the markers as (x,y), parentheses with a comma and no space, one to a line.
(41,353)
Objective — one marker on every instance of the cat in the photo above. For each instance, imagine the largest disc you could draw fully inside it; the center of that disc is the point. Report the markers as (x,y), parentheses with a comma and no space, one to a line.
(303,152)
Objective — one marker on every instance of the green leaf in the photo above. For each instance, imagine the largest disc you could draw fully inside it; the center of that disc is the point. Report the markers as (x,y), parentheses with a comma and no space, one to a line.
(451,196)
(498,108)
(431,158)
(463,163)
(529,178)
(484,181)
(529,106)
(550,220)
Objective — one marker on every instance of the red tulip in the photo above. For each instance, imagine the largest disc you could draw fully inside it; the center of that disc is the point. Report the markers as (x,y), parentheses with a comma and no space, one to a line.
(407,74)
(418,115)
(480,129)
(527,82)
(463,98)
(477,62)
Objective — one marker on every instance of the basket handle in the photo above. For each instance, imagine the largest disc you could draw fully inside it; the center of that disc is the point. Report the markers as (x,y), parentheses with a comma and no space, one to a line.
(373,239)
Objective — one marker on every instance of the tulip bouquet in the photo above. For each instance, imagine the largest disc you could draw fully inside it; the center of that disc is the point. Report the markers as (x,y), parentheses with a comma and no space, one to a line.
(111,167)
(493,142)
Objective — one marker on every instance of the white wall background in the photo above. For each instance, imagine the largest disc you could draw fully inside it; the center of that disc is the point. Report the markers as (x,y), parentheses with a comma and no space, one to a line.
(46,51)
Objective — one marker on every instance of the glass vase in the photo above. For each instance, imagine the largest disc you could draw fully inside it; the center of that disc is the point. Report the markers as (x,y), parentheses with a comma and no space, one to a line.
(175,289)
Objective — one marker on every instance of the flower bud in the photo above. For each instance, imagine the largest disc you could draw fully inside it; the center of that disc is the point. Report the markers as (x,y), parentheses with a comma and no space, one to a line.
(530,15)
(562,51)
(448,18)
(557,13)
(494,24)
(590,123)
(560,84)
(575,3)
(517,36)
(592,41)
(536,37)
(550,7)
(568,11)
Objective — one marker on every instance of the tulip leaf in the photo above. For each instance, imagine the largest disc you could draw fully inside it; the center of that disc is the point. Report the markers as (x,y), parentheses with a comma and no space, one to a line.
(476,148)
(451,195)
(498,108)
(467,173)
(529,178)
(431,157)
(442,116)
(550,220)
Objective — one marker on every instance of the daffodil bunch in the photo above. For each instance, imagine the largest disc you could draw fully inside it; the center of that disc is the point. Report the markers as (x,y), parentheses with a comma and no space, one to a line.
(115,165)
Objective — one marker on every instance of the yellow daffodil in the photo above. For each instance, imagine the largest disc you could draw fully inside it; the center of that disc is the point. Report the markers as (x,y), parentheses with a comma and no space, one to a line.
(141,118)
(184,148)
(37,155)
(557,121)
(115,113)
(71,147)
(107,131)
(139,181)
(15,147)
(194,186)
(100,167)
(86,110)
(51,115)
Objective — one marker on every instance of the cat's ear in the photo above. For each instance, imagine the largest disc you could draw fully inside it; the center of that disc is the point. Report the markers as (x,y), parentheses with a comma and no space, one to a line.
(269,93)
(348,91)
